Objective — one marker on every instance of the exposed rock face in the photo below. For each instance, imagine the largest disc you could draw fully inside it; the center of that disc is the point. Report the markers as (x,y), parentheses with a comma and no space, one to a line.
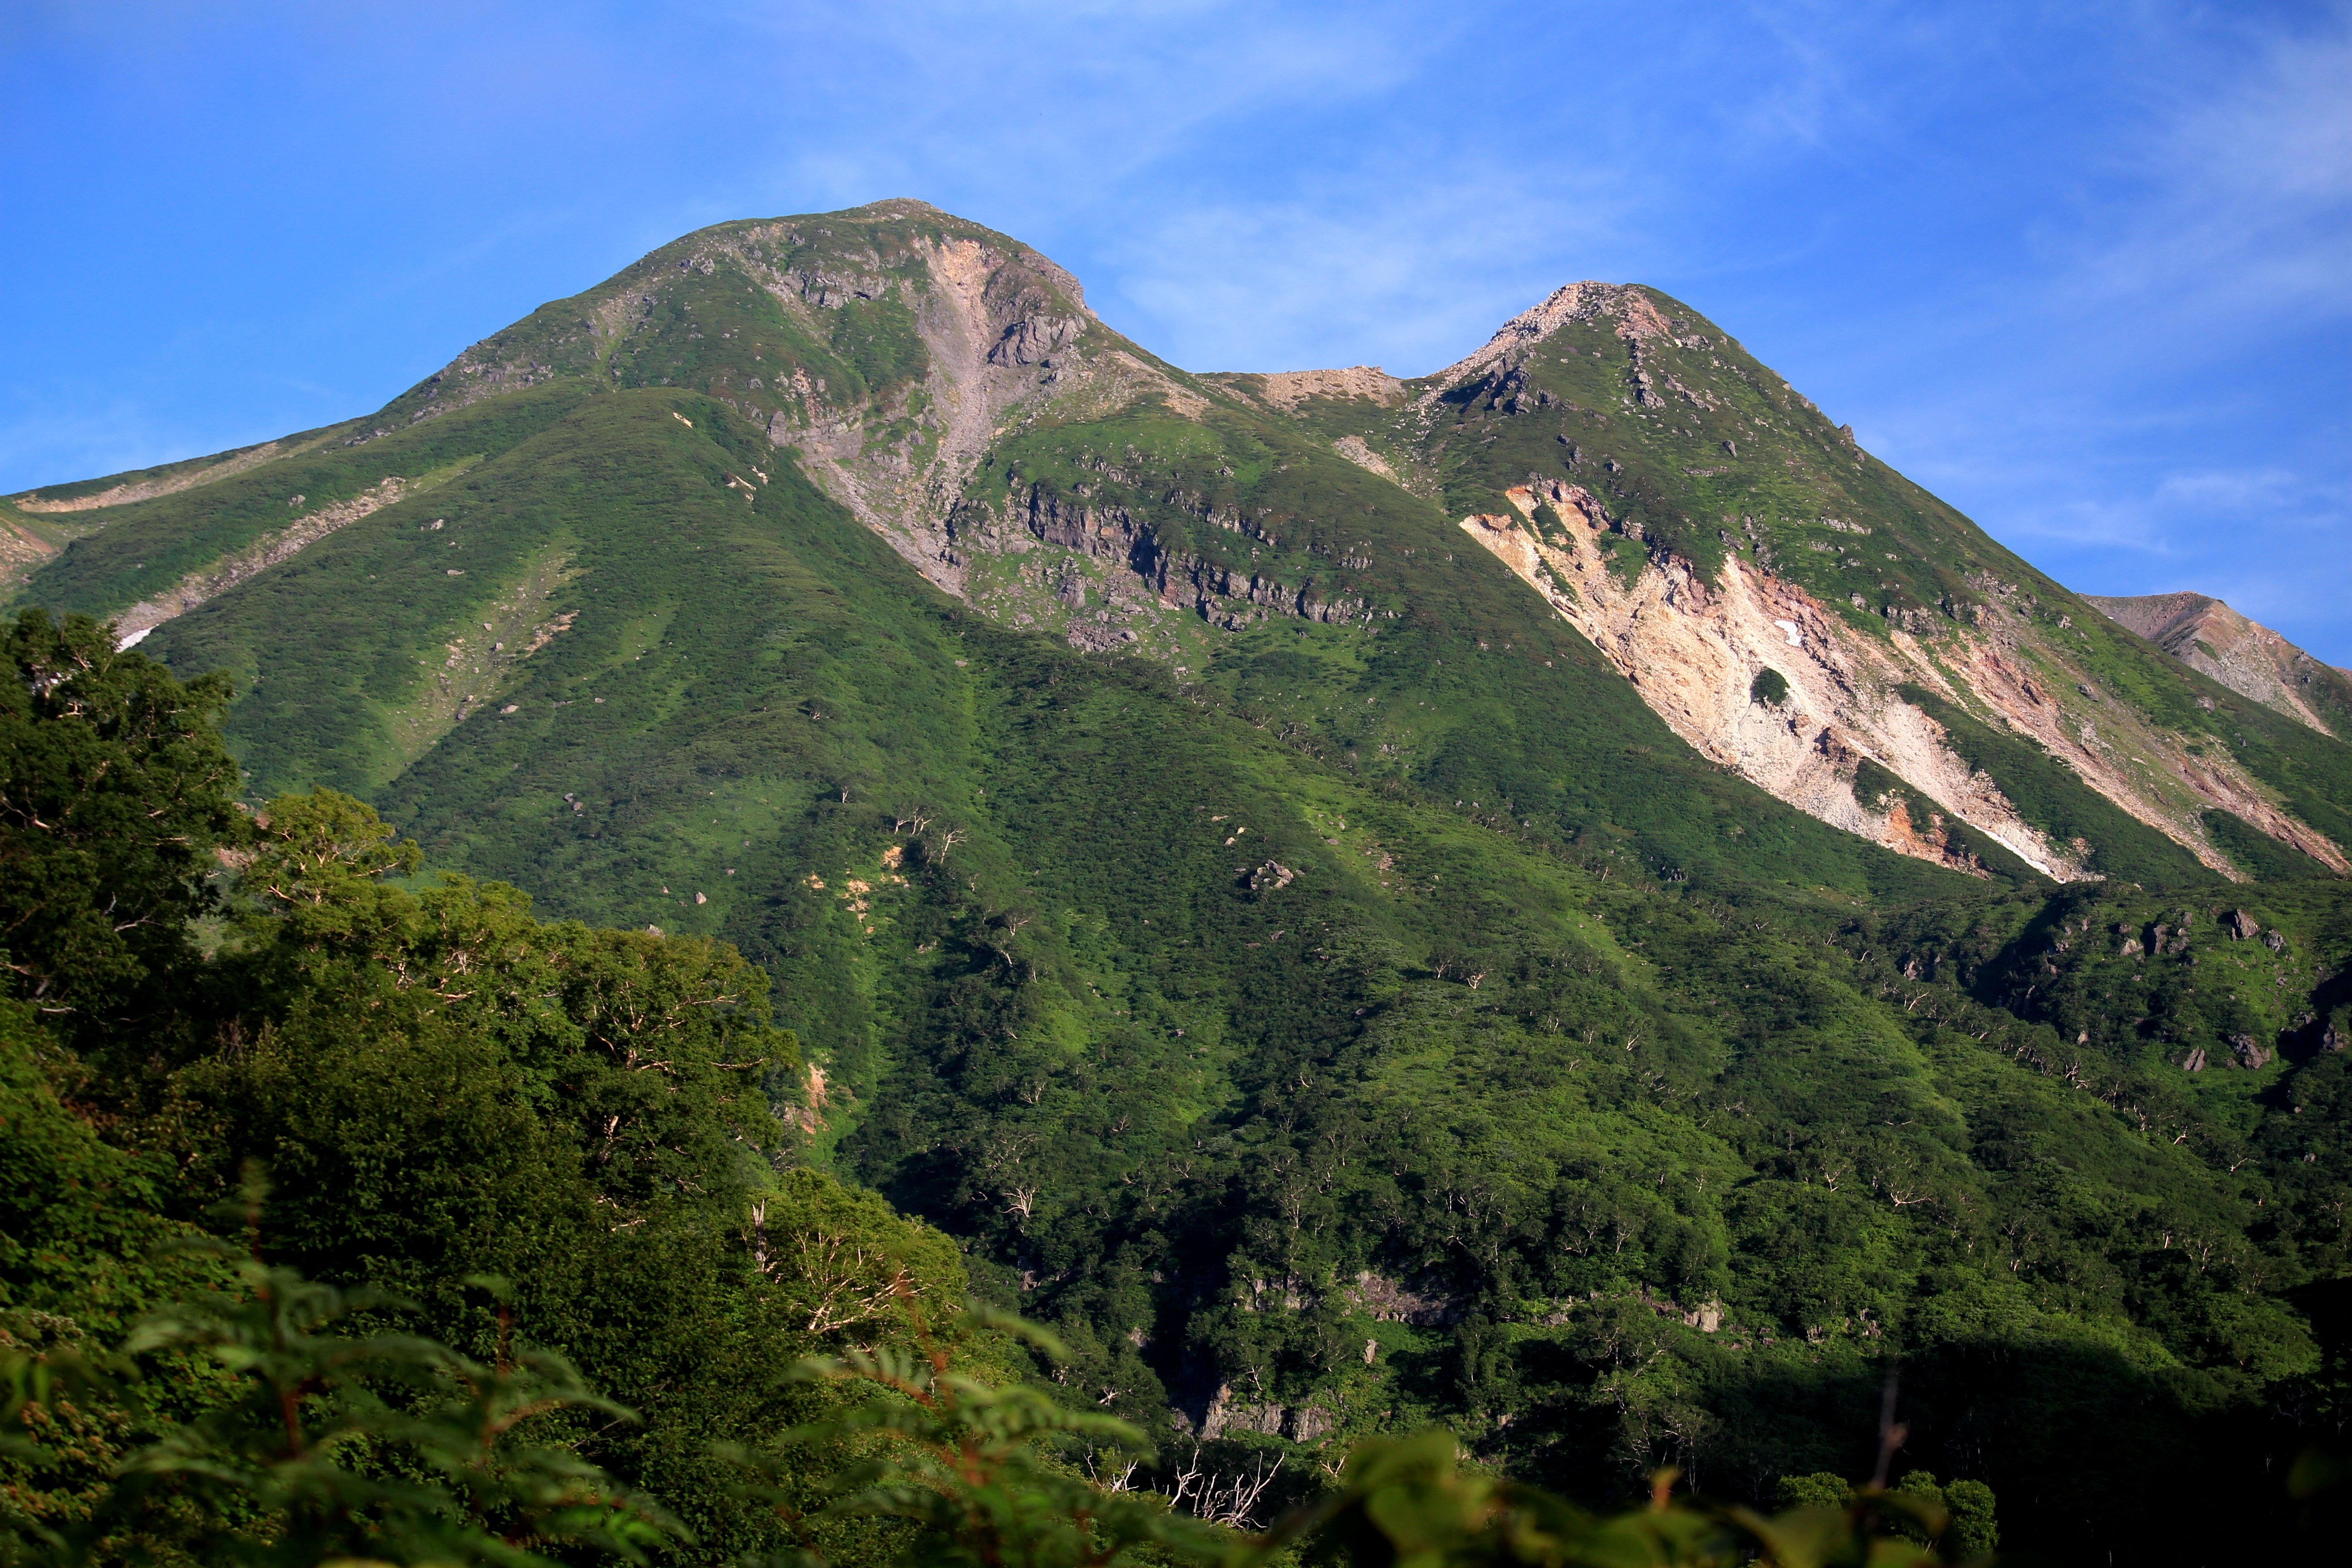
(2244,656)
(1298,1422)
(960,339)
(1392,1302)
(1355,450)
(1000,328)
(1694,651)
(22,551)
(1226,596)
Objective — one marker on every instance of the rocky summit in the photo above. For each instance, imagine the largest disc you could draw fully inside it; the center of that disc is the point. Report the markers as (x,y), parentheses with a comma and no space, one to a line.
(2248,658)
(1560,896)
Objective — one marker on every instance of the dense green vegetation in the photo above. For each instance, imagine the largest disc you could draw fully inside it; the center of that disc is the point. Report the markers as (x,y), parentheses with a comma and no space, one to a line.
(442,1087)
(544,1145)
(1491,1100)
(2048,795)
(1366,1016)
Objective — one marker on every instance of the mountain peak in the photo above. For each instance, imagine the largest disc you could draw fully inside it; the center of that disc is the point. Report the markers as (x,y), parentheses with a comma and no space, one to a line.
(2244,655)
(1633,307)
(1787,607)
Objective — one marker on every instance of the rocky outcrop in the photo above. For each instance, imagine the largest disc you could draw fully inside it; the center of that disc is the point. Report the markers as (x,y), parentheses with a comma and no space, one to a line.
(1286,389)
(1227,596)
(1270,877)
(22,551)
(1227,1414)
(1394,1301)
(2248,657)
(1358,452)
(1636,316)
(1698,652)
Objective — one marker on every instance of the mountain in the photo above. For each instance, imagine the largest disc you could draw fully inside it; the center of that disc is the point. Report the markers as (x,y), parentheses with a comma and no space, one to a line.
(1549,896)
(1729,553)
(2248,658)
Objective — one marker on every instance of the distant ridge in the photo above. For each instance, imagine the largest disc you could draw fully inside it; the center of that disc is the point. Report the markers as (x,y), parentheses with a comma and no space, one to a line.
(2242,655)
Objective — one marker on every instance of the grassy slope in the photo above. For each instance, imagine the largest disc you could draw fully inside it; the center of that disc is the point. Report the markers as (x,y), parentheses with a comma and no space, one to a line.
(1789,491)
(1076,1037)
(147,547)
(1475,691)
(188,472)
(994,882)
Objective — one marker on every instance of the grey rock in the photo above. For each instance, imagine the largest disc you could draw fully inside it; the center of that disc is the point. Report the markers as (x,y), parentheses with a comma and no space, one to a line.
(1270,877)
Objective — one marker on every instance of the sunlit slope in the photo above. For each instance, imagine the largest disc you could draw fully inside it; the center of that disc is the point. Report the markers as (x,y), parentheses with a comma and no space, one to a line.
(552,664)
(1704,523)
(1658,496)
(1117,496)
(1325,957)
(1214,1044)
(2248,657)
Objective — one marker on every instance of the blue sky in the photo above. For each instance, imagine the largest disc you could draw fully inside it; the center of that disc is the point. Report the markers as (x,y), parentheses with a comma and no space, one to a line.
(2086,271)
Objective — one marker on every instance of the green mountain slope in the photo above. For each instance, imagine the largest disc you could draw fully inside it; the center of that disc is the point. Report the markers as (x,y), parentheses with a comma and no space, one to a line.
(1330,958)
(1703,523)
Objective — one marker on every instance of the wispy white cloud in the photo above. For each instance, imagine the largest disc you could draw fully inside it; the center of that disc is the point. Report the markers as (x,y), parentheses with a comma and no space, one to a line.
(1411,278)
(1067,101)
(2235,204)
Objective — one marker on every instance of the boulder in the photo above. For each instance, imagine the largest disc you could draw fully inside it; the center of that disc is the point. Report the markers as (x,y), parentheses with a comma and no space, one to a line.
(1270,877)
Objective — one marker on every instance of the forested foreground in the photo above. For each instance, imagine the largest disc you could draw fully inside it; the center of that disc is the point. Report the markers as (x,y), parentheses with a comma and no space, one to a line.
(349,1212)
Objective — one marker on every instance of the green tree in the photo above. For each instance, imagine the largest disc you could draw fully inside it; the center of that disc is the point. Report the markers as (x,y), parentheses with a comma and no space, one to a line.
(1416,1502)
(968,1461)
(374,1447)
(1819,1489)
(1973,1534)
(115,791)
